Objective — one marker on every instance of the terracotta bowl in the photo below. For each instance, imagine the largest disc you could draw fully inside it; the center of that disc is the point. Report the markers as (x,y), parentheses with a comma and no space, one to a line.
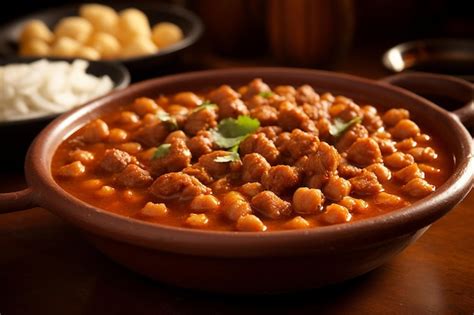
(240,262)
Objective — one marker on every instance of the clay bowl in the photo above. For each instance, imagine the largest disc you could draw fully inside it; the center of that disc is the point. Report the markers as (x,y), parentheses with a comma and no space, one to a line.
(237,262)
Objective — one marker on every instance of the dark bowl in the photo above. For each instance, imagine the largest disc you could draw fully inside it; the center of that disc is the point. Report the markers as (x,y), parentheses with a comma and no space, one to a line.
(25,130)
(252,262)
(190,24)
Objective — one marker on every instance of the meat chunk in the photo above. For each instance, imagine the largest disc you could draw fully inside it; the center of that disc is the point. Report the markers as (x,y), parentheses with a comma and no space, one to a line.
(222,93)
(270,205)
(151,135)
(398,160)
(347,170)
(95,131)
(292,117)
(394,115)
(213,168)
(383,173)
(177,158)
(371,120)
(364,152)
(271,132)
(199,172)
(281,178)
(232,108)
(266,114)
(255,87)
(345,111)
(200,144)
(306,94)
(418,187)
(325,160)
(259,143)
(365,184)
(337,188)
(350,136)
(408,173)
(421,154)
(253,167)
(299,143)
(178,185)
(115,160)
(175,135)
(134,176)
(287,91)
(200,120)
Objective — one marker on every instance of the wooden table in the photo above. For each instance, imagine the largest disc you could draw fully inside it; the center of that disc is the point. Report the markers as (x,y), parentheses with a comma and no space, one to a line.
(47,268)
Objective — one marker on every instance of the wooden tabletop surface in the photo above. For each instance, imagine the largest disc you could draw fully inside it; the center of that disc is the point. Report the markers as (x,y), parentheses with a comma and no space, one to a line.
(46,267)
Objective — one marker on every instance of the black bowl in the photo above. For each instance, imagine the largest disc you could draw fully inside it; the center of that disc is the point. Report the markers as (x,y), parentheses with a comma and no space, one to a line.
(17,135)
(139,66)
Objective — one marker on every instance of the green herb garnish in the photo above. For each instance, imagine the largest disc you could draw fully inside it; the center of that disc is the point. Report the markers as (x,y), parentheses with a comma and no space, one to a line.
(339,127)
(231,132)
(266,94)
(168,121)
(161,151)
(230,157)
(204,105)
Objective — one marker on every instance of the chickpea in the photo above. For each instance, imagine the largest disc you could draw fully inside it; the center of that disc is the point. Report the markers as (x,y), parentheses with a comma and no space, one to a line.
(74,27)
(149,119)
(336,109)
(132,196)
(154,210)
(128,118)
(36,30)
(408,173)
(88,53)
(420,154)
(34,47)
(251,189)
(105,44)
(74,169)
(103,18)
(335,214)
(307,200)
(204,203)
(92,184)
(327,97)
(82,156)
(139,46)
(297,223)
(418,187)
(250,223)
(117,135)
(317,181)
(387,200)
(166,34)
(95,131)
(354,205)
(394,115)
(145,105)
(429,169)
(187,99)
(220,186)
(197,220)
(398,160)
(406,144)
(130,147)
(173,136)
(405,128)
(132,24)
(382,173)
(65,47)
(337,188)
(235,205)
(105,191)
(423,138)
(177,110)
(148,154)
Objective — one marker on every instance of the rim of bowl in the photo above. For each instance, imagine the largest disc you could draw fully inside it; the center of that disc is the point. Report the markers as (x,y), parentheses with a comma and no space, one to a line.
(361,233)
(121,83)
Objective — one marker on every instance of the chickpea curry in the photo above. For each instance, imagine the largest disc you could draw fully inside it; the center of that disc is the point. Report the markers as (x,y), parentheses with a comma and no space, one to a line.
(253,158)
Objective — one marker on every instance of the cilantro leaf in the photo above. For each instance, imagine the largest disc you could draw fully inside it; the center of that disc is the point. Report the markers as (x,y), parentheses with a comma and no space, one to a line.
(170,122)
(161,151)
(204,105)
(339,127)
(234,128)
(230,157)
(266,94)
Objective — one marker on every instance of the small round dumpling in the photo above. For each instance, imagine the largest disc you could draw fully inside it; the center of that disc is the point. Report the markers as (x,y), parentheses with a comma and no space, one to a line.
(65,47)
(139,47)
(74,27)
(103,18)
(36,29)
(34,47)
(89,53)
(133,23)
(165,34)
(107,45)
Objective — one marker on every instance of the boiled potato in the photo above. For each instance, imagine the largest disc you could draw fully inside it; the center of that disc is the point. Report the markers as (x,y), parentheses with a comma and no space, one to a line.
(65,47)
(36,29)
(89,53)
(103,18)
(165,34)
(133,23)
(139,47)
(74,27)
(34,47)
(107,45)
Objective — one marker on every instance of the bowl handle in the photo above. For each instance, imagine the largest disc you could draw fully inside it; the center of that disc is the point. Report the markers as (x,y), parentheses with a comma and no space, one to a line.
(441,85)
(18,200)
